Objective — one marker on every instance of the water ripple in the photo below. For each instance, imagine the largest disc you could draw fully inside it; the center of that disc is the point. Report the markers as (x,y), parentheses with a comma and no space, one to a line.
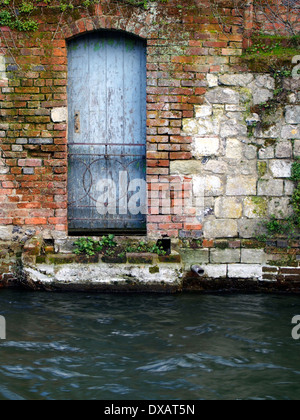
(33,346)
(78,346)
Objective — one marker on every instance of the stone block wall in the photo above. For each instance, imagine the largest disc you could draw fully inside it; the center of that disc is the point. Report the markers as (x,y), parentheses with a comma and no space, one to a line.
(242,155)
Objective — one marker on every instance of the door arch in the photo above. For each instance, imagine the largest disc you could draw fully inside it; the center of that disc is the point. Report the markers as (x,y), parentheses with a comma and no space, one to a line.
(107,133)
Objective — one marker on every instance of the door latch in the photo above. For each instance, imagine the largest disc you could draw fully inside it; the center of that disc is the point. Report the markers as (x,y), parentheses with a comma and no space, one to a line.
(77,122)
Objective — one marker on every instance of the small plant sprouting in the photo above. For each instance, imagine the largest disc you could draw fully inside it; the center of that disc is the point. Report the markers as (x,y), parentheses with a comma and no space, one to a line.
(144,247)
(108,246)
(90,246)
(289,226)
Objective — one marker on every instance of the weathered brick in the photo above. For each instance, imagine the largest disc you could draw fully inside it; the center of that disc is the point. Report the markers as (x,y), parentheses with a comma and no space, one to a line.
(30,162)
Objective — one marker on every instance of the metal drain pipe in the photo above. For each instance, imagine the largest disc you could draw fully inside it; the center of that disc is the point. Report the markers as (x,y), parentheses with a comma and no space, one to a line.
(198,270)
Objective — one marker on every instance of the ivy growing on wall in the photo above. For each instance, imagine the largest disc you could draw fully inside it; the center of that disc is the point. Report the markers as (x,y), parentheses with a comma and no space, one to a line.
(288,227)
(19,14)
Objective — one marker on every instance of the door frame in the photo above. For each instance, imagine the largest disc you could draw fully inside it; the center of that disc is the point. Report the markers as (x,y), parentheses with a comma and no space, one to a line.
(120,232)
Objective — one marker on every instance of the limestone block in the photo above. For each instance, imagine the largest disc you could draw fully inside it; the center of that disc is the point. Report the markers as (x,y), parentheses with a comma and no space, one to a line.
(235,108)
(265,81)
(212,80)
(255,207)
(260,96)
(203,111)
(289,188)
(297,148)
(267,153)
(290,132)
(271,132)
(250,152)
(216,166)
(59,114)
(6,233)
(262,89)
(253,256)
(207,127)
(220,228)
(245,168)
(236,79)
(223,96)
(232,128)
(2,64)
(93,275)
(228,128)
(3,73)
(238,116)
(249,228)
(218,112)
(225,256)
(284,150)
(211,186)
(190,126)
(228,208)
(241,185)
(215,271)
(194,256)
(186,167)
(245,271)
(234,149)
(292,114)
(270,188)
(206,146)
(281,207)
(281,168)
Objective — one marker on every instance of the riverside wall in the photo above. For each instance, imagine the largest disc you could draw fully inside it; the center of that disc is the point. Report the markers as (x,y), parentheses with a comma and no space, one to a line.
(227,131)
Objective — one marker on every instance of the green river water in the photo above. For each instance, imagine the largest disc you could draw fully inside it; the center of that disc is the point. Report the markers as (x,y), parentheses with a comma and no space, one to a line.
(145,347)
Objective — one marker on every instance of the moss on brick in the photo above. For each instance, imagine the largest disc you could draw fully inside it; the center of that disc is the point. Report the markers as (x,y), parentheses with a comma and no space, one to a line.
(61,259)
(114,259)
(221,244)
(140,258)
(173,259)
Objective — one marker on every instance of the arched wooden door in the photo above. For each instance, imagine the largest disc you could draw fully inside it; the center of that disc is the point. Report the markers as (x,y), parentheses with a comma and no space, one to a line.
(107,133)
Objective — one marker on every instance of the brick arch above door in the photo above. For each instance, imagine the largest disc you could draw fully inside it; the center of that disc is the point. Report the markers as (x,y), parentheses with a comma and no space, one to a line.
(131,26)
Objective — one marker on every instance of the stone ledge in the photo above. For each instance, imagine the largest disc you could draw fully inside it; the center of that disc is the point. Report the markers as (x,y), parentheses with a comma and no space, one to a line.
(245,271)
(104,277)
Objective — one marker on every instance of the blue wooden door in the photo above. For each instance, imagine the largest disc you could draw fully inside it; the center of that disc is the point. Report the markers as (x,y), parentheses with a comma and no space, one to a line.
(107,133)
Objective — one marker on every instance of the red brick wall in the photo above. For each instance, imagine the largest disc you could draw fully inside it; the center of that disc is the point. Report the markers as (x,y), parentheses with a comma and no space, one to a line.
(278,17)
(185,42)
